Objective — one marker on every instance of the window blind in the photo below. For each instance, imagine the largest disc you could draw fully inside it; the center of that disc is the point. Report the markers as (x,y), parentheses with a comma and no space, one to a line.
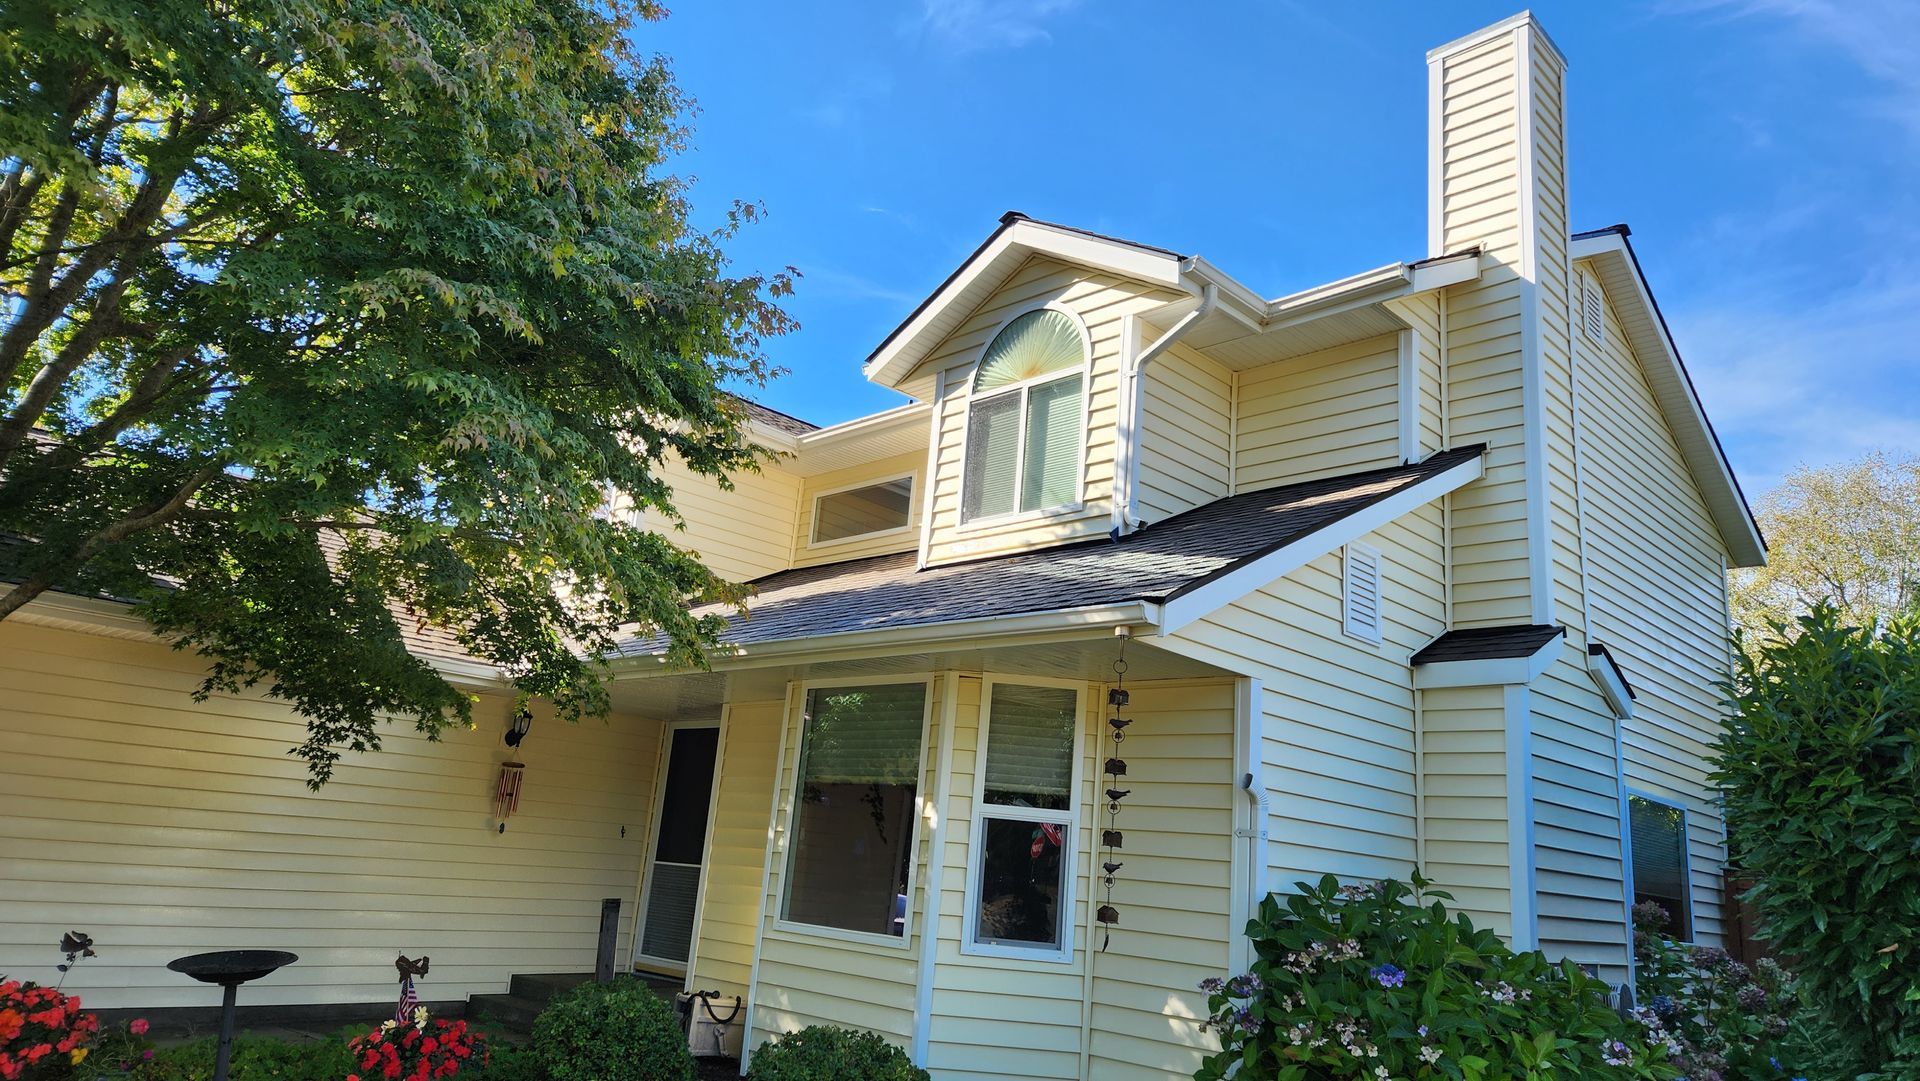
(864,735)
(993,448)
(1030,745)
(1053,445)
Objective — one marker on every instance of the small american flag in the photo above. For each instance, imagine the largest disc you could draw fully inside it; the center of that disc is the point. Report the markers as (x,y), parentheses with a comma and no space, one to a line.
(403,1013)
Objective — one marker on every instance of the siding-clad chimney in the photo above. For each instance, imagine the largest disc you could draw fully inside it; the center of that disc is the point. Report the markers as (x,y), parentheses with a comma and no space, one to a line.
(1497,181)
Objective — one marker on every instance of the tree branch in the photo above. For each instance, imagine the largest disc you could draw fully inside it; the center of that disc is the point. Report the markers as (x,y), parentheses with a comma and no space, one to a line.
(51,376)
(142,518)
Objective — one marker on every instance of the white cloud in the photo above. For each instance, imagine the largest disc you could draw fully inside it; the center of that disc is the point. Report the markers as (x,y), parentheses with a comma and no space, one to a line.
(972,25)
(1881,37)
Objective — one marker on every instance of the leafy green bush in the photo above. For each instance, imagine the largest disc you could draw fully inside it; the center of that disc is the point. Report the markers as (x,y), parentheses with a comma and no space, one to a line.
(618,1031)
(1716,1018)
(255,1058)
(1354,982)
(1820,769)
(505,1063)
(824,1053)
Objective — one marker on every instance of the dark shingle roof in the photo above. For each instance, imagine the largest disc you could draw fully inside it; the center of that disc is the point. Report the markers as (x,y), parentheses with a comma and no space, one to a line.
(777,420)
(1489,643)
(1155,564)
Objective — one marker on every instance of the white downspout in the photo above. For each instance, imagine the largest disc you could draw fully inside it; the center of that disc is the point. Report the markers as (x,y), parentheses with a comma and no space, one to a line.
(1127,470)
(1248,722)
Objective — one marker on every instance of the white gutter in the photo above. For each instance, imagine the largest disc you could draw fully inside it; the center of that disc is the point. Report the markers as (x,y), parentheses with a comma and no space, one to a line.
(1058,624)
(1127,473)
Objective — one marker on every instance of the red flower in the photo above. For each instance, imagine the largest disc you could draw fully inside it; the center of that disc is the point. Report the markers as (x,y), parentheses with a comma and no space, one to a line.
(138,1026)
(390,1070)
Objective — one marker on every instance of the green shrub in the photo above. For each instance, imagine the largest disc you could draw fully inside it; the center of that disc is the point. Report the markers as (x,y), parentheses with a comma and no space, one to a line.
(506,1063)
(618,1031)
(824,1053)
(1820,770)
(1354,982)
(255,1058)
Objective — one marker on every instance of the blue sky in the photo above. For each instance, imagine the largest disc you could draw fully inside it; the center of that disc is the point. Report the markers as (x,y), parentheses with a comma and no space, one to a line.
(1765,152)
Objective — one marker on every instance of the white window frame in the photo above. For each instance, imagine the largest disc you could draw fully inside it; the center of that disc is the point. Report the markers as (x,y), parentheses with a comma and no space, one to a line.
(813,526)
(1068,820)
(797,723)
(1079,502)
(1686,855)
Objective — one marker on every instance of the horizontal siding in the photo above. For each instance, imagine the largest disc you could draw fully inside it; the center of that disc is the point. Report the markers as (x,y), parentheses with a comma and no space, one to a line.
(1464,801)
(1657,587)
(1319,415)
(1577,820)
(1185,434)
(736,853)
(739,534)
(1103,302)
(165,826)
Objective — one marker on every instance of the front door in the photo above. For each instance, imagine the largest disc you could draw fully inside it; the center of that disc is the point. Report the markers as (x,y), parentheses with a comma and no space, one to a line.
(679,845)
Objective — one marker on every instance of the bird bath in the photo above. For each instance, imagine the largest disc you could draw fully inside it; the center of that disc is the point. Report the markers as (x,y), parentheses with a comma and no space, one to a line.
(230,969)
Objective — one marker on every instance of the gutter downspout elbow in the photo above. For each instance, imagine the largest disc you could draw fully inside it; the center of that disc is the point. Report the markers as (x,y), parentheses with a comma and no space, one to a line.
(1129,470)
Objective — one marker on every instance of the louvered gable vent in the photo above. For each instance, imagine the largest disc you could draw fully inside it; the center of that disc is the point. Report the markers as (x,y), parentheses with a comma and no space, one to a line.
(1593,320)
(1362,592)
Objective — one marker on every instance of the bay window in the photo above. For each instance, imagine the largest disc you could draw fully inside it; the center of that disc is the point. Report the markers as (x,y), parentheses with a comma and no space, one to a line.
(1020,875)
(1026,419)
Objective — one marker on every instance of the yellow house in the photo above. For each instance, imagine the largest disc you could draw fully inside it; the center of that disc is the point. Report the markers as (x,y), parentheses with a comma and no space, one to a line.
(1423,567)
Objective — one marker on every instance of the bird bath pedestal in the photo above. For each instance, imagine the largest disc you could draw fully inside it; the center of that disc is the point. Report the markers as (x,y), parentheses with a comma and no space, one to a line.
(230,969)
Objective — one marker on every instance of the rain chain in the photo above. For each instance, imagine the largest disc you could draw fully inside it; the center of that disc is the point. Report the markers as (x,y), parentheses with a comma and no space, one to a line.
(1115,769)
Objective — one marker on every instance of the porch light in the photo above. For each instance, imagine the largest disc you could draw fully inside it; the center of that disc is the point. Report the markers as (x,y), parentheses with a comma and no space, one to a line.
(517,724)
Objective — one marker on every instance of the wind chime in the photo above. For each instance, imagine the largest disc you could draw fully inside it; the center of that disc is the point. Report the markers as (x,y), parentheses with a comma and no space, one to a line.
(1115,769)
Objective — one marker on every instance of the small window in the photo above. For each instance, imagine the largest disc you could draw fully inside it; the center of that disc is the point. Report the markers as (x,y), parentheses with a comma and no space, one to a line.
(1020,892)
(1593,320)
(1661,870)
(856,512)
(1361,589)
(853,820)
(1026,421)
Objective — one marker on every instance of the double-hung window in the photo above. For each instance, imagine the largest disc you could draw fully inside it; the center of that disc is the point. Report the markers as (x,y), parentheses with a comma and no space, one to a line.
(1662,873)
(853,815)
(1026,420)
(1020,879)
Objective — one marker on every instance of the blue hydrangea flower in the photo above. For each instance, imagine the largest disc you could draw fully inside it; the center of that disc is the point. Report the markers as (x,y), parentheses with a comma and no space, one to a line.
(1663,1006)
(1388,975)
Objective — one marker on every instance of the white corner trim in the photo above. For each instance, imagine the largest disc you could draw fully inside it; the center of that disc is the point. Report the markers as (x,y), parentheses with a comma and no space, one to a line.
(1495,672)
(1521,851)
(932,466)
(1408,358)
(776,841)
(1244,579)
(937,862)
(1612,687)
(1244,904)
(1436,157)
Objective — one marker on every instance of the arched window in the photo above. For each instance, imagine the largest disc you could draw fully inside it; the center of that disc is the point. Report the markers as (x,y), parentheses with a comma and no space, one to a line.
(1026,421)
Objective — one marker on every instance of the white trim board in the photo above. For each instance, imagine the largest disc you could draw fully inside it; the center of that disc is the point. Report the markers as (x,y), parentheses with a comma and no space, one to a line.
(1489,672)
(1183,609)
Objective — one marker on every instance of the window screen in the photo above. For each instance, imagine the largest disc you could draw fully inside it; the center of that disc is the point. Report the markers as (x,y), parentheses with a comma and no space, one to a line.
(853,813)
(874,508)
(1027,419)
(1026,829)
(1661,873)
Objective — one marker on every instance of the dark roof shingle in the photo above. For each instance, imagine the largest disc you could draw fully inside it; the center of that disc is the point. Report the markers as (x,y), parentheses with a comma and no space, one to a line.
(1159,562)
(1488,643)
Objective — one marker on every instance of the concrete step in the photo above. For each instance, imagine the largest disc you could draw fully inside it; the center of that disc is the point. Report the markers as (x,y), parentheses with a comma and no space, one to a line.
(544,987)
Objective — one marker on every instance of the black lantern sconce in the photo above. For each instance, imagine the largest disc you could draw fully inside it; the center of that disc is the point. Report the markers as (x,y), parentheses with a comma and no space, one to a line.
(518,724)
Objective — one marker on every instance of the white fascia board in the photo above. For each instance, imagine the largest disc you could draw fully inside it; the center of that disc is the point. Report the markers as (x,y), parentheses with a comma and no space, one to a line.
(1496,672)
(1431,274)
(1244,579)
(899,415)
(1679,400)
(773,438)
(1016,241)
(1488,33)
(1612,687)
(1057,625)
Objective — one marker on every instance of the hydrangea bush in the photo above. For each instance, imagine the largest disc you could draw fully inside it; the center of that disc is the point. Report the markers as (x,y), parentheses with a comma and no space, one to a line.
(1379,982)
(1717,1019)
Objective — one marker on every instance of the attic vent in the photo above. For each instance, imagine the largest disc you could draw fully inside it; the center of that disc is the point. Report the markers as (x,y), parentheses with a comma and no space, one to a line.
(1592,315)
(1361,587)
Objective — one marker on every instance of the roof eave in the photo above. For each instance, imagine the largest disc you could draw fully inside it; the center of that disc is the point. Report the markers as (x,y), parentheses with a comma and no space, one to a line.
(1679,400)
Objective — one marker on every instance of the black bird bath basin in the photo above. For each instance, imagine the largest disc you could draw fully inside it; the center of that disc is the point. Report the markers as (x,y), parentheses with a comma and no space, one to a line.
(230,969)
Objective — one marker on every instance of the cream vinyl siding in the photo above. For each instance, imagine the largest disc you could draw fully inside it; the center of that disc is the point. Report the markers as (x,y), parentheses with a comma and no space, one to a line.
(809,979)
(740,534)
(807,553)
(1578,871)
(166,827)
(1422,314)
(996,1016)
(1101,302)
(1656,578)
(737,847)
(1186,427)
(1338,717)
(1319,415)
(1174,892)
(1464,799)
(1480,205)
